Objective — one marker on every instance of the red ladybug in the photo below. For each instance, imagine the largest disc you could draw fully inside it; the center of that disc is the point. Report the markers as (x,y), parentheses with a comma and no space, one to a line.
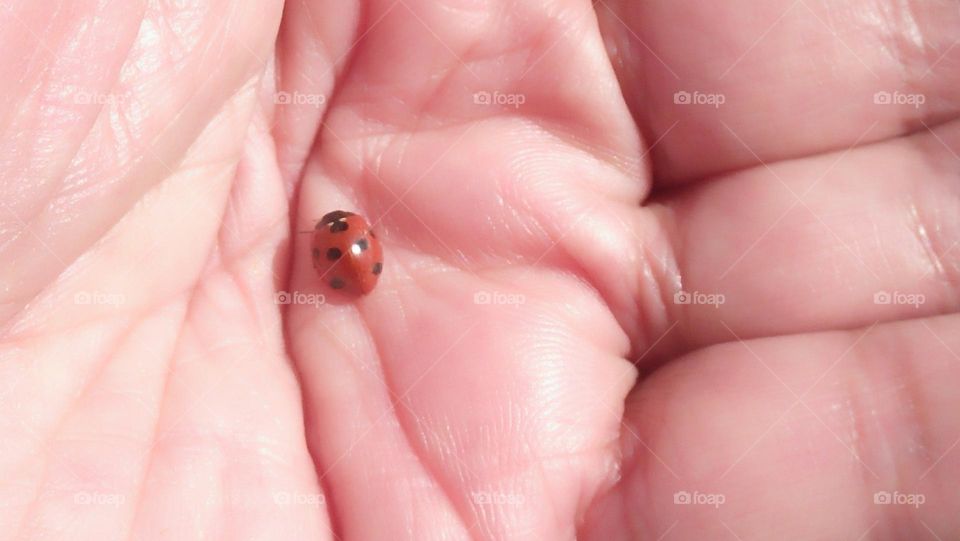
(346,252)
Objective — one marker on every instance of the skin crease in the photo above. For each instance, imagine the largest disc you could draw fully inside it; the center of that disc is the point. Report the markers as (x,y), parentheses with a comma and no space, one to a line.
(521,370)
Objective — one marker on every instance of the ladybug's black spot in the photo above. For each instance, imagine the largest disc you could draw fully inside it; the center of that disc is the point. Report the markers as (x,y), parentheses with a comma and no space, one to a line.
(377,267)
(331,217)
(316,253)
(337,283)
(334,254)
(362,244)
(339,227)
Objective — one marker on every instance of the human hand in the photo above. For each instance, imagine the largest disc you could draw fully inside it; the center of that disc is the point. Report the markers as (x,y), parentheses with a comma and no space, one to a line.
(653,270)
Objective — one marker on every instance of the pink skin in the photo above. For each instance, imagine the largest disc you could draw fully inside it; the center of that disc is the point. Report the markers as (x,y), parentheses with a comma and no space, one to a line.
(151,189)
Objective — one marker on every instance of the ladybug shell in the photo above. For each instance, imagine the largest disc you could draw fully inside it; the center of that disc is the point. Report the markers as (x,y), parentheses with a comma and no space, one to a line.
(346,252)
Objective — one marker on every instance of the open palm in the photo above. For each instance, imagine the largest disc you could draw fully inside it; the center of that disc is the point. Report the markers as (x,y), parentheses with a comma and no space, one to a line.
(667,269)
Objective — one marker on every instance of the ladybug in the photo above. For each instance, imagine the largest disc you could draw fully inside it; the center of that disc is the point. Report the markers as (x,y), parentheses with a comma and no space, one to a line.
(346,252)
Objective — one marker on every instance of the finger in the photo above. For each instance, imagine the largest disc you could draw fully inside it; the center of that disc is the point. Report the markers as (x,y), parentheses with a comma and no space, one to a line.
(313,51)
(836,241)
(783,100)
(841,435)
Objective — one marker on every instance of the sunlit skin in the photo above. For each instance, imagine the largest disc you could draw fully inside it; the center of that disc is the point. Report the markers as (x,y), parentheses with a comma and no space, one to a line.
(541,193)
